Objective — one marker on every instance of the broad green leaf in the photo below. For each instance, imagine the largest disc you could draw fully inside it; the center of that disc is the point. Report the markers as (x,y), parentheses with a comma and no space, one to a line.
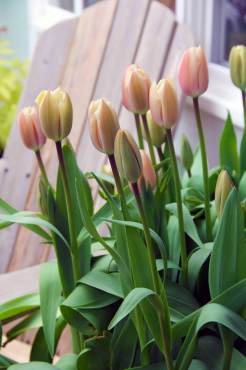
(50,296)
(228,147)
(189,225)
(124,351)
(67,362)
(130,302)
(211,313)
(5,362)
(174,244)
(243,154)
(180,300)
(242,187)
(227,262)
(233,298)
(153,234)
(89,305)
(96,355)
(25,219)
(19,306)
(33,366)
(196,261)
(210,351)
(107,282)
(40,351)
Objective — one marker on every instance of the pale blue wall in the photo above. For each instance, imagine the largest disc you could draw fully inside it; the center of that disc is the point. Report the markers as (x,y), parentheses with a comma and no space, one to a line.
(14,16)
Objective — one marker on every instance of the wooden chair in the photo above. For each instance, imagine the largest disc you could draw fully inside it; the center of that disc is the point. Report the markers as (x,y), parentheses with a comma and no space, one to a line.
(86,56)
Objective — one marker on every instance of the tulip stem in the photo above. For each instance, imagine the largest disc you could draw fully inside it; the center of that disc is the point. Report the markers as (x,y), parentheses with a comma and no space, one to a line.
(118,183)
(76,336)
(183,252)
(204,168)
(148,239)
(148,138)
(244,107)
(139,131)
(41,166)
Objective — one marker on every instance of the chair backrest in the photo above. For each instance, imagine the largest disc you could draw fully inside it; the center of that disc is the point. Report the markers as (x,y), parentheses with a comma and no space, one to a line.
(87,56)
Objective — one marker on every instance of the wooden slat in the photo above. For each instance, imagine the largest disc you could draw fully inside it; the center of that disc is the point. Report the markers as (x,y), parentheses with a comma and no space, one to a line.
(17,283)
(78,79)
(46,69)
(121,49)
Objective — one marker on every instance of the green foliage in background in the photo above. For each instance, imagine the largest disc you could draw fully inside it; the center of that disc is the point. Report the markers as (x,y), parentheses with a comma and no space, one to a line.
(12,74)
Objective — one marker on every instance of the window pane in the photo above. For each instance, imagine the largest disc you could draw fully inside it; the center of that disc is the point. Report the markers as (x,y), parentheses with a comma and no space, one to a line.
(229,28)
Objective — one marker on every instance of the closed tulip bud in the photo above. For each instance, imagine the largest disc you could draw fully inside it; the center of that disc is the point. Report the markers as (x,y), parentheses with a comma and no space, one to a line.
(103,125)
(193,72)
(56,113)
(186,154)
(237,62)
(30,129)
(135,90)
(148,175)
(158,134)
(127,156)
(223,187)
(164,103)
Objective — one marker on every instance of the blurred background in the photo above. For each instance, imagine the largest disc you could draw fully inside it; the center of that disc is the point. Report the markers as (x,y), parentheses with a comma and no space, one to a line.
(216,24)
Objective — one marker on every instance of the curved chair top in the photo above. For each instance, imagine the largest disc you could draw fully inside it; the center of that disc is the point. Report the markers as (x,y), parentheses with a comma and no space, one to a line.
(87,56)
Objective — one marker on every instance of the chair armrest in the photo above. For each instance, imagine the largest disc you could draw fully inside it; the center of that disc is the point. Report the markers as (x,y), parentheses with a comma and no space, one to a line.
(17,283)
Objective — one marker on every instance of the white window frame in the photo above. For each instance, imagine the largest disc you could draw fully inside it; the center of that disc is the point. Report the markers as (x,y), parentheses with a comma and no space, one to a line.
(222,96)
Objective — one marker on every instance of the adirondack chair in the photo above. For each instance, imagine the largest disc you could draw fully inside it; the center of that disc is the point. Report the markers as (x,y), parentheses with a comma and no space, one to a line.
(86,56)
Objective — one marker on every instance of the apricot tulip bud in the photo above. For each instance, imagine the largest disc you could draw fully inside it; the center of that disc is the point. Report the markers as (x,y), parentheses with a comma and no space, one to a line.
(127,156)
(135,90)
(56,113)
(30,129)
(158,134)
(164,103)
(193,72)
(103,124)
(237,62)
(186,154)
(148,175)
(223,187)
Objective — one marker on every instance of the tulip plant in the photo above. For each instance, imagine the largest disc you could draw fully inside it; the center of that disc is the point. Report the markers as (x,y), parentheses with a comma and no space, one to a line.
(155,279)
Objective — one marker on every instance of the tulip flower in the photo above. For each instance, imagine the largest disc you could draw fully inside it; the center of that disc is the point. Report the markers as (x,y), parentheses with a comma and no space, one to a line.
(223,187)
(135,90)
(127,156)
(148,175)
(158,134)
(30,129)
(186,154)
(193,72)
(56,113)
(103,124)
(237,61)
(164,103)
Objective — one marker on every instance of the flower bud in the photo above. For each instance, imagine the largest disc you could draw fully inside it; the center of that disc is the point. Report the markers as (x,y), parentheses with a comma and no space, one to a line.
(223,187)
(158,134)
(193,72)
(237,60)
(56,113)
(186,154)
(135,90)
(148,175)
(127,156)
(164,103)
(103,124)
(30,129)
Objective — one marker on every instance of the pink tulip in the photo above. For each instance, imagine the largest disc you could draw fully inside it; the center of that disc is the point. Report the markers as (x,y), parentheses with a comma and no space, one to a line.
(103,125)
(30,128)
(148,172)
(164,103)
(193,72)
(135,90)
